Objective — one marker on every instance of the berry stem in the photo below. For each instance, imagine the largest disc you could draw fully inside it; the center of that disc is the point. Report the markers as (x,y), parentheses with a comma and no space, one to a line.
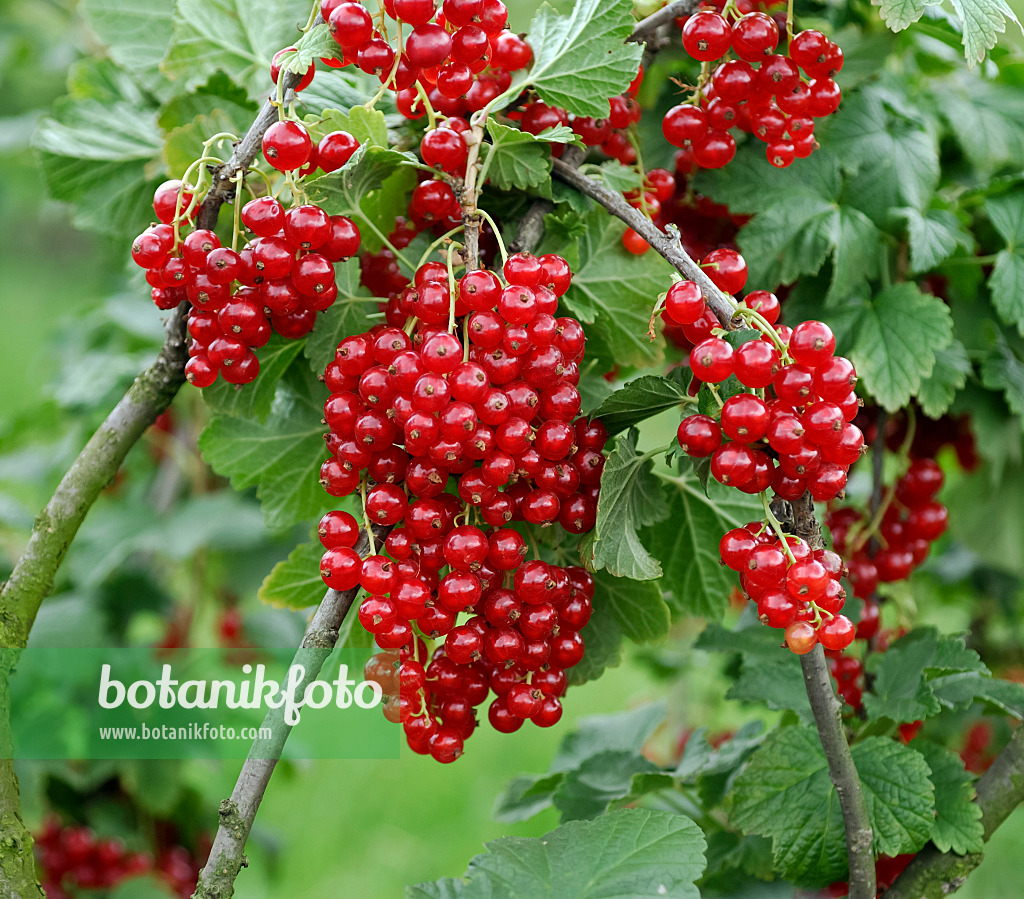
(453,294)
(497,234)
(789,21)
(313,13)
(776,526)
(369,104)
(368,530)
(446,236)
(219,136)
(237,218)
(765,327)
(425,100)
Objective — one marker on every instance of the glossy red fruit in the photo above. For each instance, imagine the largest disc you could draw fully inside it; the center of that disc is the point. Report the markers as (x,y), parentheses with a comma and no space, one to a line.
(287,145)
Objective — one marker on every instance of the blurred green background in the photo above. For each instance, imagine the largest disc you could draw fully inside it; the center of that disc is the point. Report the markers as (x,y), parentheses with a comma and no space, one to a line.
(354,828)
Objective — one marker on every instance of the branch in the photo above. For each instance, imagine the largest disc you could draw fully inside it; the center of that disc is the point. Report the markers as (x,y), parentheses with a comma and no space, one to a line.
(647,29)
(227,855)
(934,874)
(666,243)
(827,711)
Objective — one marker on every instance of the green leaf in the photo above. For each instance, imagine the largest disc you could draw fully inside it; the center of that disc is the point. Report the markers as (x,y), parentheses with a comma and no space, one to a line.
(1006,282)
(934,236)
(348,315)
(613,292)
(581,59)
(624,731)
(899,691)
(687,544)
(619,177)
(938,390)
(136,34)
(893,161)
(700,759)
(236,36)
(785,793)
(799,223)
(754,641)
(898,334)
(295,583)
(957,826)
(638,606)
(642,398)
(526,796)
(368,126)
(316,42)
(1002,370)
(341,192)
(281,457)
(590,789)
(959,691)
(627,853)
(603,639)
(952,655)
(898,792)
(777,683)
(987,119)
(983,21)
(218,93)
(102,157)
(900,14)
(631,497)
(255,399)
(184,145)
(516,159)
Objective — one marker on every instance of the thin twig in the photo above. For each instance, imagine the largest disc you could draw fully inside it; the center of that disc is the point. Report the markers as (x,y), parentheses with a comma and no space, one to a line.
(227,855)
(647,28)
(666,243)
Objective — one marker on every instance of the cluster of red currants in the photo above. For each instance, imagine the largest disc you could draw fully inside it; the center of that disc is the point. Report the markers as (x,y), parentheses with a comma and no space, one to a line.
(800,434)
(462,56)
(771,101)
(911,521)
(485,429)
(517,643)
(75,859)
(795,587)
(277,282)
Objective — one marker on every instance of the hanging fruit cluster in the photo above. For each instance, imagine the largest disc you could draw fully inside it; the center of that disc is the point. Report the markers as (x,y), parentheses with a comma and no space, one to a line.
(454,427)
(786,426)
(759,91)
(277,282)
(461,56)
